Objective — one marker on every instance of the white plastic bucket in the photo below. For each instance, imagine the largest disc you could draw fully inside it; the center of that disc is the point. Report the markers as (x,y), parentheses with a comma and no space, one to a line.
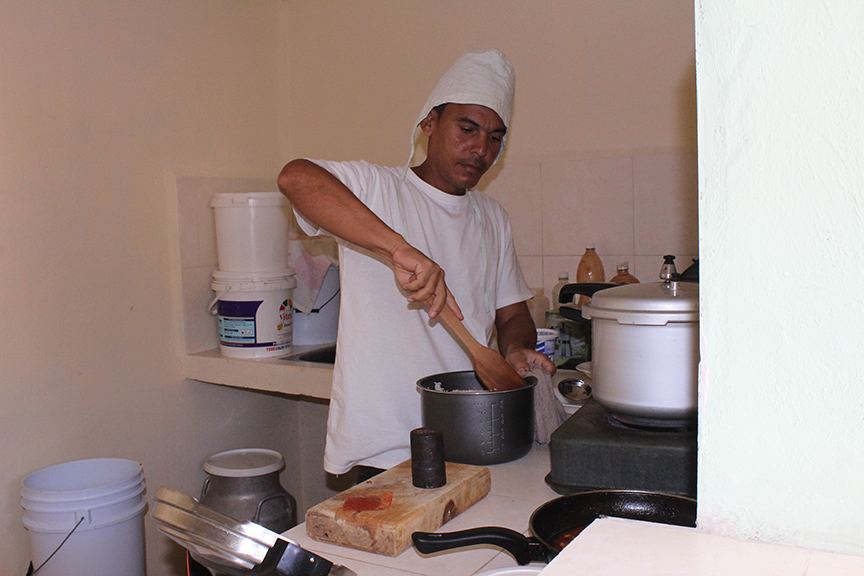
(546,341)
(320,325)
(97,507)
(251,231)
(255,313)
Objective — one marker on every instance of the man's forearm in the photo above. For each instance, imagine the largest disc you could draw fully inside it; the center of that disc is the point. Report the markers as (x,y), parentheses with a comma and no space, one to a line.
(325,201)
(515,329)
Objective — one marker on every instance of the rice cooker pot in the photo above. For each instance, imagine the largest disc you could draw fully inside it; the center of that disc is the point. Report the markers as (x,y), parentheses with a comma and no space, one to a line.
(645,350)
(480,427)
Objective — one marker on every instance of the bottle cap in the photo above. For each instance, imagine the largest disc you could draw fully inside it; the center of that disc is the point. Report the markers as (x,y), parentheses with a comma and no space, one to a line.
(563,275)
(590,246)
(624,265)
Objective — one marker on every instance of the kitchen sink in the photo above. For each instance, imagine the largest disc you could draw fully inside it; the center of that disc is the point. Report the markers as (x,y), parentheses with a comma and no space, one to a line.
(323,355)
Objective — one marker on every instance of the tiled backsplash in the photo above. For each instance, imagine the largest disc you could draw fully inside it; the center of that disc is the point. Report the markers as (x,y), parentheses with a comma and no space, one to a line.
(634,208)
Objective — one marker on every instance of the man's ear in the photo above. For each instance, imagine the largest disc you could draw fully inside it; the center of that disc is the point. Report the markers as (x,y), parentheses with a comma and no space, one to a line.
(427,125)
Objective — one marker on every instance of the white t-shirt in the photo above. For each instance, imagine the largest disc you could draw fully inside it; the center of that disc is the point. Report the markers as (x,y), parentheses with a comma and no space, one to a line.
(386,345)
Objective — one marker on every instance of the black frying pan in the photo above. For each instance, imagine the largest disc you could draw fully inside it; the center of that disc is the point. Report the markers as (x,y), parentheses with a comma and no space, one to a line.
(556,522)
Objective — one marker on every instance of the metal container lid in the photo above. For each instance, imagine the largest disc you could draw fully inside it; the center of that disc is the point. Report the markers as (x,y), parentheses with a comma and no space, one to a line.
(654,303)
(244,463)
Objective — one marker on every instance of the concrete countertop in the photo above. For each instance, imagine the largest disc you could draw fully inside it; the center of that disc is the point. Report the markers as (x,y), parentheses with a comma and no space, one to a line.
(283,375)
(609,546)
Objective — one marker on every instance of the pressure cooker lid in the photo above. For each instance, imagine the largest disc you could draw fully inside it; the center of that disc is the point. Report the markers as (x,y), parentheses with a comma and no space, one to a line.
(653,303)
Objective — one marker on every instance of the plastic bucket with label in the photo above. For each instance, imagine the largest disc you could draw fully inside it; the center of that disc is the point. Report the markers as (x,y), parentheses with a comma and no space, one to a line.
(251,231)
(546,341)
(85,518)
(255,313)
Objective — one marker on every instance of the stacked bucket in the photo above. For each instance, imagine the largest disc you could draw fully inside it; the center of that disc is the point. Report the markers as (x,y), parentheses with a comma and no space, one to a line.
(254,282)
(85,518)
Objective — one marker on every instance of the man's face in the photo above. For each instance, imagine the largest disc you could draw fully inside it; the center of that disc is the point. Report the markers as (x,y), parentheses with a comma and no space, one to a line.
(464,142)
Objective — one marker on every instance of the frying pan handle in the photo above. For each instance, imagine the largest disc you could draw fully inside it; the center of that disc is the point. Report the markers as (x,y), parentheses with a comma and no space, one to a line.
(523,549)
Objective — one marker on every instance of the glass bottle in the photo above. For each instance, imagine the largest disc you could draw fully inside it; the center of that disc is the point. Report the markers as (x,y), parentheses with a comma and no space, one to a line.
(624,276)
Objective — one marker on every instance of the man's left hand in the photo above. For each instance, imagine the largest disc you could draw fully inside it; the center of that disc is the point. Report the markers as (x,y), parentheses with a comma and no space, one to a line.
(523,360)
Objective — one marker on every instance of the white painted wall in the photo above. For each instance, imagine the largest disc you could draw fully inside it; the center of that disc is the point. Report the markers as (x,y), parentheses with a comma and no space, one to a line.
(781,162)
(102,104)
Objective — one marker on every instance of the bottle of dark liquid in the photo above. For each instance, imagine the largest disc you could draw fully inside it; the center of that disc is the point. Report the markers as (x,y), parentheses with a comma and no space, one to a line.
(623,276)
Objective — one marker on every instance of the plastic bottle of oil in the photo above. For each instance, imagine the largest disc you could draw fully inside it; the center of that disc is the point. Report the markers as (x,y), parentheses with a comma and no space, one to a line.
(590,269)
(563,280)
(623,276)
(538,305)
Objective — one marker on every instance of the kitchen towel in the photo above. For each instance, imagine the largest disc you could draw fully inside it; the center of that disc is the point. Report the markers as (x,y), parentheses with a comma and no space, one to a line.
(549,414)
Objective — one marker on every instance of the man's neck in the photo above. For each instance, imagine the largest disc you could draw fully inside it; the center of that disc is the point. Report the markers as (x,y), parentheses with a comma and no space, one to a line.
(424,172)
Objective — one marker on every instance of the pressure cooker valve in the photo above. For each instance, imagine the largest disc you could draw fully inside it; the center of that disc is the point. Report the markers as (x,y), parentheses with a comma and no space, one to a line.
(668,271)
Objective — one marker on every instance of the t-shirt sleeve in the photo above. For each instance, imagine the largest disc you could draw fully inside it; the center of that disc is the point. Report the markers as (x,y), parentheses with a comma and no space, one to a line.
(349,173)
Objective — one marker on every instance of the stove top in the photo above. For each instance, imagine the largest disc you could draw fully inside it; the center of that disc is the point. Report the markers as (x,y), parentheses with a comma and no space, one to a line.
(592,450)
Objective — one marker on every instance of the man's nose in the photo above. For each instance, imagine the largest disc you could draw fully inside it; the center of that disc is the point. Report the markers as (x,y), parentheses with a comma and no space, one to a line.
(480,144)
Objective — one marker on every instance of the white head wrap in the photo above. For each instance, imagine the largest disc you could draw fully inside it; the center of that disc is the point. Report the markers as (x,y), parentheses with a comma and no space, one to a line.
(483,77)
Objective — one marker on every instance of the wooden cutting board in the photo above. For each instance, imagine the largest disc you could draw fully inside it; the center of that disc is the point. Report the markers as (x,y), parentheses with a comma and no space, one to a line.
(380,514)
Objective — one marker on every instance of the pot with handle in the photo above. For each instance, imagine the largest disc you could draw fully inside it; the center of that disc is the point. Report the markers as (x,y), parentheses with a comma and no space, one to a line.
(554,524)
(645,348)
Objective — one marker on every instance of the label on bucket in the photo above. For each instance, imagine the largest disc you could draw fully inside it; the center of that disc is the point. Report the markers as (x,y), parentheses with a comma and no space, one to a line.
(248,324)
(546,341)
(237,322)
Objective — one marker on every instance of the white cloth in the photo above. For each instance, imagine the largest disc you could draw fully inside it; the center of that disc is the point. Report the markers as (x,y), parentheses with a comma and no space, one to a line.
(384,345)
(483,77)
(549,413)
(310,260)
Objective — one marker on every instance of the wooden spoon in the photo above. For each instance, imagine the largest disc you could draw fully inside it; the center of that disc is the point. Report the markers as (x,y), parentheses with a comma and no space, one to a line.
(494,372)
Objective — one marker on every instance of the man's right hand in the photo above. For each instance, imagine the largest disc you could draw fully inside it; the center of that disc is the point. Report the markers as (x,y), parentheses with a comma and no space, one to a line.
(423,279)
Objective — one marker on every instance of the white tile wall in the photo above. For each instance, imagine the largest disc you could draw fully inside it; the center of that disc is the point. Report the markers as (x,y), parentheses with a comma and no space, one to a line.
(633,208)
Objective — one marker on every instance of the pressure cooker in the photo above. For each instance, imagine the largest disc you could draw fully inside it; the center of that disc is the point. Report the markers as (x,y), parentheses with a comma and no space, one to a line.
(645,347)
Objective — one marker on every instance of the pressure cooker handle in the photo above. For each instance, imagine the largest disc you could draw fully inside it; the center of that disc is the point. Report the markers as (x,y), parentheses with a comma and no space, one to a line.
(583,288)
(522,548)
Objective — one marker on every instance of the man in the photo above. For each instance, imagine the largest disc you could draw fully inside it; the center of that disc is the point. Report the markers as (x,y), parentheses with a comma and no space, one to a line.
(399,230)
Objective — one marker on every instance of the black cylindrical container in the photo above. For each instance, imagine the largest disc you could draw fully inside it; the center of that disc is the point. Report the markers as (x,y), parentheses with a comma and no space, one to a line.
(244,485)
(480,427)
(428,469)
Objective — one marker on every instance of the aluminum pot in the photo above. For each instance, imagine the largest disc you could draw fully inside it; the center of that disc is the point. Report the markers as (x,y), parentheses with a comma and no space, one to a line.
(645,349)
(480,427)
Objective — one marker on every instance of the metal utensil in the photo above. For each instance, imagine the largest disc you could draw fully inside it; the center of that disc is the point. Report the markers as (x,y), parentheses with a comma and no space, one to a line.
(228,546)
